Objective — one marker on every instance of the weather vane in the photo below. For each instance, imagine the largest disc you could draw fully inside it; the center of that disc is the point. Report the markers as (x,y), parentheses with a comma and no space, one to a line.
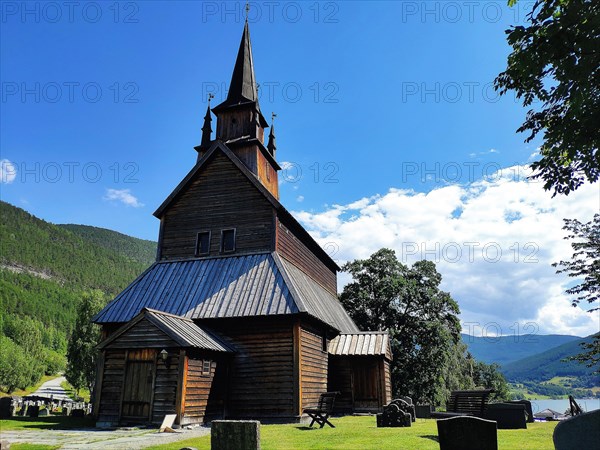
(247,10)
(273,115)
(210,95)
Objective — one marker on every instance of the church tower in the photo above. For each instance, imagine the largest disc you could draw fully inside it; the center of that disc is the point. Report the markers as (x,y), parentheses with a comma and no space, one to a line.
(240,123)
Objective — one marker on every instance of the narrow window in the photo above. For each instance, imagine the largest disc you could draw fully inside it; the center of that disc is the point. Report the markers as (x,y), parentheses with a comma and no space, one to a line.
(228,240)
(324,343)
(267,171)
(203,243)
(205,367)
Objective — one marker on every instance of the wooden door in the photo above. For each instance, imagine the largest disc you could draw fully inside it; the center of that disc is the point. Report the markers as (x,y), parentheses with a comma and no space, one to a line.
(138,386)
(365,386)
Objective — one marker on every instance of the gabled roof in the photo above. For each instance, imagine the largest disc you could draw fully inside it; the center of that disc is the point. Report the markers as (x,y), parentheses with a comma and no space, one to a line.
(184,332)
(219,146)
(237,286)
(366,343)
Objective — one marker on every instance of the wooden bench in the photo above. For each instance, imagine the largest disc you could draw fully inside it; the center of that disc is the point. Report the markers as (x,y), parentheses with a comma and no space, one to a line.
(321,413)
(465,403)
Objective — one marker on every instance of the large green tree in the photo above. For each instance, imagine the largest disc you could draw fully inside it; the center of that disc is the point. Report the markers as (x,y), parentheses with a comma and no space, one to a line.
(585,266)
(421,319)
(554,68)
(81,350)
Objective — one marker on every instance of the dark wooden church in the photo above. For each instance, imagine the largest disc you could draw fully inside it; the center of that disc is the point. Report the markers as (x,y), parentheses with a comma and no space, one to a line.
(239,316)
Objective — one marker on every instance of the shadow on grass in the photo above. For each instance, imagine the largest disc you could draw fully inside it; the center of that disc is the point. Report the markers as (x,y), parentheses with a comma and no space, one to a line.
(306,428)
(47,423)
(432,437)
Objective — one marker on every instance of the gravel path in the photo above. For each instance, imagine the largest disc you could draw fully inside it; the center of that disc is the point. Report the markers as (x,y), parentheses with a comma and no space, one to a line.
(95,438)
(52,389)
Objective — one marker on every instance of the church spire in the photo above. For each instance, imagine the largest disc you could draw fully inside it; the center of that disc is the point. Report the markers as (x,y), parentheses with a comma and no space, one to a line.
(271,145)
(206,128)
(243,88)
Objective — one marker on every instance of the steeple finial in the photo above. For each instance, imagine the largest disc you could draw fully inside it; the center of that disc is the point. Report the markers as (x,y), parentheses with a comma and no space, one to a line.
(247,10)
(271,145)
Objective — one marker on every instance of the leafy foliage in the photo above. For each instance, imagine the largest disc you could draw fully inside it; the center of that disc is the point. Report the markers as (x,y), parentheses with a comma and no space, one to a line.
(81,352)
(555,61)
(421,319)
(585,262)
(488,376)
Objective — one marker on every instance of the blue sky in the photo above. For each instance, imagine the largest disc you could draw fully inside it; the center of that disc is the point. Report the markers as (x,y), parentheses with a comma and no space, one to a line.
(102,103)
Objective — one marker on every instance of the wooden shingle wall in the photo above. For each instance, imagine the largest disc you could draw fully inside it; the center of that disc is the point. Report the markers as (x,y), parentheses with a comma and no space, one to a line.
(220,198)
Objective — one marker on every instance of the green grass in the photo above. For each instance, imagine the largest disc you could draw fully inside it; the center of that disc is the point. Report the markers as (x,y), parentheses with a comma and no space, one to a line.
(30,389)
(45,423)
(362,433)
(83,393)
(33,447)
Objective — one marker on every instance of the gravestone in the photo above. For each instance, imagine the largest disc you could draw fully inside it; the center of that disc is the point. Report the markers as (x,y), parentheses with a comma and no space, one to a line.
(33,410)
(423,411)
(43,412)
(467,433)
(78,412)
(582,432)
(6,407)
(508,416)
(398,413)
(235,434)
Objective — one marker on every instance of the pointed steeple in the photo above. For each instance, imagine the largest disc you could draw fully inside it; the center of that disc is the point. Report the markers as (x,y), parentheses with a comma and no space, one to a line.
(271,145)
(206,128)
(243,84)
(243,88)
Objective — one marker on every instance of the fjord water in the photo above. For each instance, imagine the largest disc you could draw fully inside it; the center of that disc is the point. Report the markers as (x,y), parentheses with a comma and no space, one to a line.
(561,405)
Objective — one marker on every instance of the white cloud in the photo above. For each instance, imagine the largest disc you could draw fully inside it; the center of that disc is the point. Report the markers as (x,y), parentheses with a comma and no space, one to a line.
(8,171)
(493,240)
(124,196)
(300,198)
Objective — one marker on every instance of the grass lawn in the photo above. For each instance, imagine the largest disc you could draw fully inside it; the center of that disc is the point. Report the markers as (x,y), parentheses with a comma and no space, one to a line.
(30,389)
(33,447)
(45,423)
(83,393)
(361,433)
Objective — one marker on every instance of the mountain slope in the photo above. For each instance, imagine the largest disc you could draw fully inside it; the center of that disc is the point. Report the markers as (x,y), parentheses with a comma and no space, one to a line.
(138,250)
(504,350)
(68,256)
(549,364)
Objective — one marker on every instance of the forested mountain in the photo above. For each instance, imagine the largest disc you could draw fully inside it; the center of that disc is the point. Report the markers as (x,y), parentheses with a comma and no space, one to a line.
(504,350)
(44,269)
(138,250)
(546,365)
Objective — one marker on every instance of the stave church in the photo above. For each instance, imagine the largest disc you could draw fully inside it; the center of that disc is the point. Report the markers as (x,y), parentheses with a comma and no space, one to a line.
(238,317)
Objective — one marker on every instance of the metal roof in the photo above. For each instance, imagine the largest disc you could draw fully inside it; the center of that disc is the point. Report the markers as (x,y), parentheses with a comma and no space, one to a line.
(316,300)
(367,343)
(182,330)
(236,286)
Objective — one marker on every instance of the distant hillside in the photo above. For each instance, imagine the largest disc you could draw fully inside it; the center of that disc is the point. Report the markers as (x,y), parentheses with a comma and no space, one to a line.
(507,349)
(138,250)
(72,258)
(549,364)
(44,269)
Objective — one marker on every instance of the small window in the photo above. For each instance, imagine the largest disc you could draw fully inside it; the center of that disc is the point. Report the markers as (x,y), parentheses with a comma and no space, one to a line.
(203,243)
(324,343)
(228,240)
(205,367)
(268,171)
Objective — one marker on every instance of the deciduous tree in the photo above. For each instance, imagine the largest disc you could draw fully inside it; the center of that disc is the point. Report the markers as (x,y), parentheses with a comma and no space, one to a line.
(81,351)
(554,68)
(422,320)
